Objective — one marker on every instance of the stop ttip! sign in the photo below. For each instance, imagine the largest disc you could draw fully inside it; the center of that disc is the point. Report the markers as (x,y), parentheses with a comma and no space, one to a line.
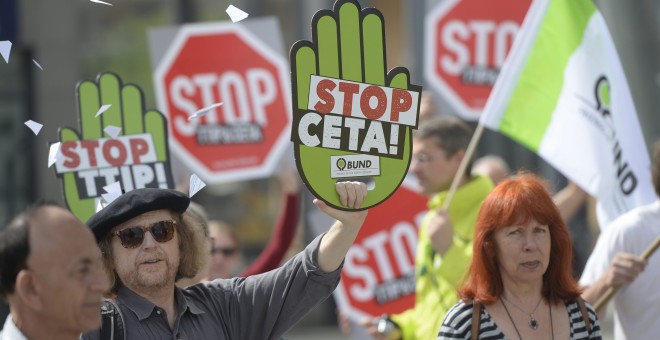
(379,269)
(466,44)
(225,63)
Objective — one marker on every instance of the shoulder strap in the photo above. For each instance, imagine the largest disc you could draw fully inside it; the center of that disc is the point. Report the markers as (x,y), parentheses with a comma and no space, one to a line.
(112,322)
(476,320)
(585,315)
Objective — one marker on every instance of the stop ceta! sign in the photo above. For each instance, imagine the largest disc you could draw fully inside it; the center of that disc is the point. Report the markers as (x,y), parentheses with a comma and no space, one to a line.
(207,64)
(379,269)
(466,43)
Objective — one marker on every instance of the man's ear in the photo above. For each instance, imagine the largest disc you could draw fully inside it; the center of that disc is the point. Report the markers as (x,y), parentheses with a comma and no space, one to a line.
(26,289)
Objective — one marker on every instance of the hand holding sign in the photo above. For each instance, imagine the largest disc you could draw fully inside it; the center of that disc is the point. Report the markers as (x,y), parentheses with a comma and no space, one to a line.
(138,157)
(352,119)
(352,195)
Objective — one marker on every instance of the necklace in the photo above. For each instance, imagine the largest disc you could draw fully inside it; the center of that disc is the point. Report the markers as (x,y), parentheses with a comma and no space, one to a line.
(533,324)
(552,327)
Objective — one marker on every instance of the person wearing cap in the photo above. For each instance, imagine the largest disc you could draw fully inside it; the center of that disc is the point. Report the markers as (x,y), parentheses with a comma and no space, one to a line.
(50,274)
(146,248)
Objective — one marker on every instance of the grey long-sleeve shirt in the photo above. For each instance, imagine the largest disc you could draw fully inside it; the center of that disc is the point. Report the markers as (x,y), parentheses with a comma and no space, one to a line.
(259,307)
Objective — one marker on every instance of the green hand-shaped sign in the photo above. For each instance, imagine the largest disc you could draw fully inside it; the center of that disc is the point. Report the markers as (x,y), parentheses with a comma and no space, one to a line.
(137,157)
(352,119)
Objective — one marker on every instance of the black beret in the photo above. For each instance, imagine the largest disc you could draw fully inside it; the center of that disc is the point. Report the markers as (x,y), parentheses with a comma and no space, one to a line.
(134,203)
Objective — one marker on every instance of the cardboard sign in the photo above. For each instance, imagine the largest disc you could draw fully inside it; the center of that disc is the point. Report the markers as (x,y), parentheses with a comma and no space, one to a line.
(88,161)
(379,271)
(352,119)
(234,79)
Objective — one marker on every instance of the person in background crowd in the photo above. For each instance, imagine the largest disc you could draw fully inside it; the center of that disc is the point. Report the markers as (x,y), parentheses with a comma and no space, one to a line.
(492,166)
(147,247)
(281,237)
(225,253)
(520,285)
(50,274)
(616,263)
(445,236)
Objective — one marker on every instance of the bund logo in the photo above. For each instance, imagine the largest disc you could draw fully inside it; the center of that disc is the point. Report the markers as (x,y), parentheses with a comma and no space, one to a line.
(341,164)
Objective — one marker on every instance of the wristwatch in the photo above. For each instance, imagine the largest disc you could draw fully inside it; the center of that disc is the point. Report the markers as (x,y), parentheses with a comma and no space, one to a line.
(388,328)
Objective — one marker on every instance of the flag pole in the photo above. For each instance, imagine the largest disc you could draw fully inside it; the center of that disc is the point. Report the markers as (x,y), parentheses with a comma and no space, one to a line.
(612,290)
(461,167)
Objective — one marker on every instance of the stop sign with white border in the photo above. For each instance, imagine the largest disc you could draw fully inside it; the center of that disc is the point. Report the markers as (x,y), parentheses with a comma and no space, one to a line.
(378,276)
(466,42)
(211,63)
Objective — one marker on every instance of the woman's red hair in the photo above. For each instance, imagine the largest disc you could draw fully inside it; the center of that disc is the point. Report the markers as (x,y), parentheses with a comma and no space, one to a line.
(518,201)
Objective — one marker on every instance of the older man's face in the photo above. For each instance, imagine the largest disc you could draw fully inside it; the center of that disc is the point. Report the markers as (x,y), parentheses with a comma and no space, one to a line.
(67,268)
(151,264)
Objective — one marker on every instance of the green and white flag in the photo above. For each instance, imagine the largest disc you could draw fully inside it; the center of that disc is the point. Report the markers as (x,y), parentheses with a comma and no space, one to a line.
(562,93)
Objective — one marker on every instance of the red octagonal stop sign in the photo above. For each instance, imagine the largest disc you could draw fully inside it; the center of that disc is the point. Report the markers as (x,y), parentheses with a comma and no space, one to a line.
(207,64)
(466,44)
(379,270)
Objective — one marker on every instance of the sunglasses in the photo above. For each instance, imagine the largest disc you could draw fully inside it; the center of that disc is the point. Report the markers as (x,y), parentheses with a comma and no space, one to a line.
(162,231)
(224,251)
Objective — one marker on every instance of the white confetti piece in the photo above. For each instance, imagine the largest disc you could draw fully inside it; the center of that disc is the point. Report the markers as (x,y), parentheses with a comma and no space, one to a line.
(112,131)
(113,187)
(109,197)
(203,111)
(5,48)
(196,184)
(36,63)
(102,109)
(99,204)
(235,14)
(54,153)
(101,2)
(112,192)
(34,126)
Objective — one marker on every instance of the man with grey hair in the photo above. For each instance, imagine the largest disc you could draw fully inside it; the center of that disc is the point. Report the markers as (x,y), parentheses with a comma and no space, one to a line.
(147,248)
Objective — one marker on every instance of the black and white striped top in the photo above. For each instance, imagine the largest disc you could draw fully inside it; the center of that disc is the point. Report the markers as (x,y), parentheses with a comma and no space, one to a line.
(458,323)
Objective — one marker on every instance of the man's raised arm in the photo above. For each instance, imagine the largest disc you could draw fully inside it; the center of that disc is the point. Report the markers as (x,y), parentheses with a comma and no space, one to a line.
(340,237)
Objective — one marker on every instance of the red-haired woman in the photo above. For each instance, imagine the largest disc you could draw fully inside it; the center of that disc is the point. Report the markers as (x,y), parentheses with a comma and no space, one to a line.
(519,285)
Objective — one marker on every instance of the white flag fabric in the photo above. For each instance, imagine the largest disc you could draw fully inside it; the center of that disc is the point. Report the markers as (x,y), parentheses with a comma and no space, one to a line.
(562,93)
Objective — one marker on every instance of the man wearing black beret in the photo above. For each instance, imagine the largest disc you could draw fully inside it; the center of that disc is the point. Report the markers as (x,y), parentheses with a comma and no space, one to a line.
(147,248)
